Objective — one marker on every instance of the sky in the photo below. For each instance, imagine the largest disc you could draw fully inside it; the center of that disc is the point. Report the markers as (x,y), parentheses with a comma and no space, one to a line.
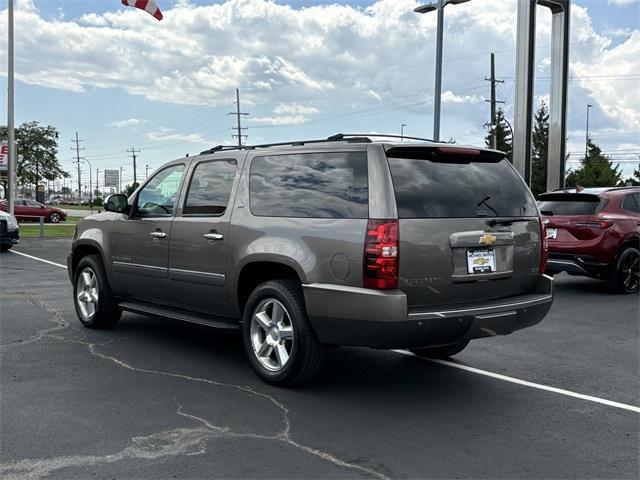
(305,69)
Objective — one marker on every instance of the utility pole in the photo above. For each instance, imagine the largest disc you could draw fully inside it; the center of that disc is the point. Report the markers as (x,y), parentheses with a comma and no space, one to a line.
(120,180)
(77,150)
(98,182)
(494,102)
(238,114)
(11,167)
(146,171)
(133,155)
(402,131)
(586,141)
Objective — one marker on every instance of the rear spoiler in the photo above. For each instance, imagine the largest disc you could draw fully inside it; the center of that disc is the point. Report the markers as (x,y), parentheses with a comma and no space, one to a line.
(446,154)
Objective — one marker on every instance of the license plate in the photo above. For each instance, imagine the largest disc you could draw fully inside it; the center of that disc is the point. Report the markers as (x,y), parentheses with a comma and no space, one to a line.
(481,261)
(552,233)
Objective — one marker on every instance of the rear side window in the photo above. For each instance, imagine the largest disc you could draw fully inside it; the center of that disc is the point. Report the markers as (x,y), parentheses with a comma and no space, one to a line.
(630,202)
(210,187)
(569,204)
(314,185)
(442,189)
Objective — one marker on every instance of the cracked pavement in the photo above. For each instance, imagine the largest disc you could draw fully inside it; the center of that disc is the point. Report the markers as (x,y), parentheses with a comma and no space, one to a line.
(159,399)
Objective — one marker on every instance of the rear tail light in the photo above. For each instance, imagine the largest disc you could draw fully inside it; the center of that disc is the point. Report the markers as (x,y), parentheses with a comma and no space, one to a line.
(544,247)
(381,249)
(604,224)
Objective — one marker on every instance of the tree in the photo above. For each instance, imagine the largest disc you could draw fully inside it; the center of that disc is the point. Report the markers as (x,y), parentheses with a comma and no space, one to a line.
(633,181)
(37,148)
(540,150)
(504,142)
(595,171)
(129,189)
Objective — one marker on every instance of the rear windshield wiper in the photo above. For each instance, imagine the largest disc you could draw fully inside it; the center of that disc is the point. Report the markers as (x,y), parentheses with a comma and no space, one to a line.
(507,221)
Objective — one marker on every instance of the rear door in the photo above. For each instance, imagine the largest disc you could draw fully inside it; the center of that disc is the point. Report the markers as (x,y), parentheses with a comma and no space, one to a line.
(199,239)
(469,227)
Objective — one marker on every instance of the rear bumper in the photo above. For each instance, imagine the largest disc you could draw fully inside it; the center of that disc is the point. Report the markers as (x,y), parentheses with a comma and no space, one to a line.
(577,265)
(370,318)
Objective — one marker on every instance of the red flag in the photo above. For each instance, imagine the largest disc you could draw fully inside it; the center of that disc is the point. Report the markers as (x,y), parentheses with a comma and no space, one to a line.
(148,6)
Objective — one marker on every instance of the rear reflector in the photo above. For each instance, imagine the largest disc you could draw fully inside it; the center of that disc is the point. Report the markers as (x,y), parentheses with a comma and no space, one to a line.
(544,246)
(599,224)
(381,245)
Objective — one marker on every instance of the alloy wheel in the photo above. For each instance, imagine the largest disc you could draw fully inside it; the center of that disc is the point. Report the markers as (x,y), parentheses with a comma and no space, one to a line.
(54,218)
(272,334)
(87,293)
(630,271)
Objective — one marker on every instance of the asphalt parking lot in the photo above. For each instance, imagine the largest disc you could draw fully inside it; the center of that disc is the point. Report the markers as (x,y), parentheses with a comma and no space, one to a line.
(161,399)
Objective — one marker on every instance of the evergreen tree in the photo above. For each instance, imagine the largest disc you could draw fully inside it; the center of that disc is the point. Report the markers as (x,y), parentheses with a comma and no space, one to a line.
(632,181)
(540,150)
(504,142)
(595,171)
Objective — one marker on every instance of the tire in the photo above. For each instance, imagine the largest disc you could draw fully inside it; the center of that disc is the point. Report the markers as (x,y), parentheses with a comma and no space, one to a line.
(265,337)
(100,310)
(445,351)
(4,248)
(625,277)
(54,218)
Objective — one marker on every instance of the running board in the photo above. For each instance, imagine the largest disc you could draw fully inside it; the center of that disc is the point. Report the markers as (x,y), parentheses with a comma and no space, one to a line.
(146,309)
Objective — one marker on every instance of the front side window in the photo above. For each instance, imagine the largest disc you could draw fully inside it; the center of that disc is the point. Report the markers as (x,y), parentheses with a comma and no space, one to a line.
(158,197)
(210,188)
(310,185)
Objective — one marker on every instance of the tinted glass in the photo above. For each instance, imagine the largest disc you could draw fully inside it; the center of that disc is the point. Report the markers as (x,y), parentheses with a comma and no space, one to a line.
(630,203)
(158,197)
(429,189)
(316,185)
(569,204)
(210,188)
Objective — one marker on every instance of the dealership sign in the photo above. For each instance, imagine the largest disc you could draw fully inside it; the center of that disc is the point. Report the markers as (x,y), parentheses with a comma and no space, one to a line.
(4,156)
(112,178)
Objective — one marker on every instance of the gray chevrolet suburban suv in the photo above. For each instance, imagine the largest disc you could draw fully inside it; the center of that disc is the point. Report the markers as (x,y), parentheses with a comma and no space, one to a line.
(310,244)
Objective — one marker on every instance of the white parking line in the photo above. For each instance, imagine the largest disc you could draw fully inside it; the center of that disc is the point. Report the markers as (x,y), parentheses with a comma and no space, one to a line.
(485,373)
(39,259)
(538,386)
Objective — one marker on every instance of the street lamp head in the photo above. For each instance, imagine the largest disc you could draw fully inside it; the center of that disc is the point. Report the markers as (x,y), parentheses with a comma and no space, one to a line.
(456,2)
(429,7)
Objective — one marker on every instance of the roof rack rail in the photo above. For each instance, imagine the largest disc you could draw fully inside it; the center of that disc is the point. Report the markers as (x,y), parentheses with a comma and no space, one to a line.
(338,137)
(347,136)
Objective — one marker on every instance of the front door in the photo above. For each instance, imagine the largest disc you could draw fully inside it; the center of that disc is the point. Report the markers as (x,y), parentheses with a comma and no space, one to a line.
(199,240)
(140,242)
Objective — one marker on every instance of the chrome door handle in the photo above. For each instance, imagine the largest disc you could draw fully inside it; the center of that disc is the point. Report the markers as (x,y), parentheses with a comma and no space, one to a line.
(213,236)
(158,234)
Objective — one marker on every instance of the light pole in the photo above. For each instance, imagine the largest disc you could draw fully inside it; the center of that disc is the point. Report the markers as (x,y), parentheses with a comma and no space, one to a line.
(586,141)
(439,7)
(402,131)
(90,184)
(11,167)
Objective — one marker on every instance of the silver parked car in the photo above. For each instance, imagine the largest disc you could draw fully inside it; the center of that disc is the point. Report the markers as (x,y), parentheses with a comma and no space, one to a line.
(303,245)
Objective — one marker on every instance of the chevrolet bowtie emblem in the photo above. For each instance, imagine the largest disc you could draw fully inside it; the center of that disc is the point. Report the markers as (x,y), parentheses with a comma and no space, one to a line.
(488,239)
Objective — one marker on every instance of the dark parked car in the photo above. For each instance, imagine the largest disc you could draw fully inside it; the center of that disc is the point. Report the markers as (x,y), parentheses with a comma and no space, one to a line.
(25,209)
(343,241)
(596,233)
(9,231)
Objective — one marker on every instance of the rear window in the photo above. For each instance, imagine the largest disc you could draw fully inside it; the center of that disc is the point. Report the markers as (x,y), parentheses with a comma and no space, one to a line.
(458,189)
(569,204)
(314,185)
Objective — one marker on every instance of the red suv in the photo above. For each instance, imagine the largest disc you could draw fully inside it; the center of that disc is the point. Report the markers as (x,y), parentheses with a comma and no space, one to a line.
(25,209)
(595,232)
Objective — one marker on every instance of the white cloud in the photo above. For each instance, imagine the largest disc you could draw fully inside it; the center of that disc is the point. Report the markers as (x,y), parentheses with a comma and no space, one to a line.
(294,108)
(280,120)
(166,134)
(622,3)
(130,122)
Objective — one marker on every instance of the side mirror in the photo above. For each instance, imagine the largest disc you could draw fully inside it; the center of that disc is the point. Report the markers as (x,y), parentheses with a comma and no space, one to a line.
(116,203)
